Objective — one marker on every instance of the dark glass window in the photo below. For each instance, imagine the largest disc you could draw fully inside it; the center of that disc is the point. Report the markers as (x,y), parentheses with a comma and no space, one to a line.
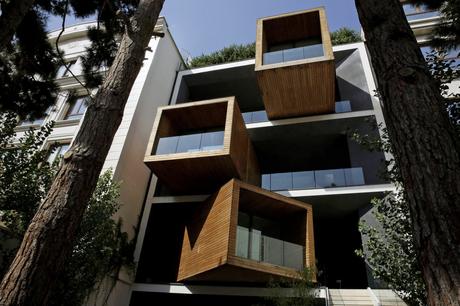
(77,107)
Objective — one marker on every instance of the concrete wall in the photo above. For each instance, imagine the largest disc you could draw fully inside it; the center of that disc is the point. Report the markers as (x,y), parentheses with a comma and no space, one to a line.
(351,82)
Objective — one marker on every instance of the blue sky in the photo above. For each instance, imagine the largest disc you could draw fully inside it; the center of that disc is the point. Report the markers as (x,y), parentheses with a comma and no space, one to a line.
(203,26)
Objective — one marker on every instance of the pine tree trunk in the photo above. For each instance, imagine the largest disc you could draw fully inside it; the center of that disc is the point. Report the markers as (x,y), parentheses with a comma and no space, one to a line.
(50,236)
(425,144)
(11,17)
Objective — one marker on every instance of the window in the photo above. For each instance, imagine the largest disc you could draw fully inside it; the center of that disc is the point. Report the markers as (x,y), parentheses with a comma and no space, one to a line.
(77,107)
(38,121)
(63,72)
(58,151)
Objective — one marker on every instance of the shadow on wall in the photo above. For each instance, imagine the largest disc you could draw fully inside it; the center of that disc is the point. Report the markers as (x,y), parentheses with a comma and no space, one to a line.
(351,80)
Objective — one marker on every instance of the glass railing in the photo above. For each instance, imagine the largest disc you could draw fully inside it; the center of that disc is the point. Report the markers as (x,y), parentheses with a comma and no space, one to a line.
(343,106)
(261,116)
(293,54)
(251,244)
(191,143)
(313,179)
(254,117)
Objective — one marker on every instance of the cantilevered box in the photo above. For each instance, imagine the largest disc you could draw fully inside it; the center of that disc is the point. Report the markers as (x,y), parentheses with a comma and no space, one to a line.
(295,65)
(247,234)
(196,147)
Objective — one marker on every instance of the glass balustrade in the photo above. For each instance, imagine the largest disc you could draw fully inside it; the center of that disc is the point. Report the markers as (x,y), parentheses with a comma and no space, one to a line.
(191,143)
(254,117)
(261,116)
(293,54)
(313,179)
(343,106)
(252,244)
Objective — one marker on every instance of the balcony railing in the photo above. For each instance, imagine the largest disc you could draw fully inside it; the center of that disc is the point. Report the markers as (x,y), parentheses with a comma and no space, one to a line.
(251,244)
(191,143)
(313,179)
(293,54)
(254,117)
(343,106)
(261,116)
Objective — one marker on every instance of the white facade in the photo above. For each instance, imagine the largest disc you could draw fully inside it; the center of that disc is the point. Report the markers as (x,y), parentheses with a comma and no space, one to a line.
(152,88)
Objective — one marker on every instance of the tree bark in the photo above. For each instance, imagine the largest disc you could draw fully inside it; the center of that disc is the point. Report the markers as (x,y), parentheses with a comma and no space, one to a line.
(49,238)
(11,17)
(425,144)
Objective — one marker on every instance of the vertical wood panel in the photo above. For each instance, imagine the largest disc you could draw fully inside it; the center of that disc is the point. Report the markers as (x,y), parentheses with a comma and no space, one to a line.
(206,236)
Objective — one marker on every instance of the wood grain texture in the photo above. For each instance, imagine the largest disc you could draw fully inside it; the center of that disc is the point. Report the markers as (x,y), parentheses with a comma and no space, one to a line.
(206,171)
(209,248)
(301,87)
(205,245)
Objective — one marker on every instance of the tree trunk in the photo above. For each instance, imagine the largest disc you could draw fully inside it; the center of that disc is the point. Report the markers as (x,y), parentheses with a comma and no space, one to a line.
(50,236)
(425,144)
(11,17)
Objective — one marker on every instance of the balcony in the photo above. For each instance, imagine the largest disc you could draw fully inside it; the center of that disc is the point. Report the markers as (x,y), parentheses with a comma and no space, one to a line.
(313,179)
(295,65)
(251,244)
(243,233)
(261,116)
(199,142)
(196,147)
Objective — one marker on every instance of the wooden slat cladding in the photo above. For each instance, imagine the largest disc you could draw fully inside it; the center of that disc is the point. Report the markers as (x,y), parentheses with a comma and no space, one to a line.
(301,87)
(299,90)
(209,248)
(205,245)
(204,171)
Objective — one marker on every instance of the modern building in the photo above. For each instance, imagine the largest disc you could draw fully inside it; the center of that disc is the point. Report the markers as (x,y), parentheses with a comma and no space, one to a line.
(256,175)
(151,89)
(423,22)
(241,173)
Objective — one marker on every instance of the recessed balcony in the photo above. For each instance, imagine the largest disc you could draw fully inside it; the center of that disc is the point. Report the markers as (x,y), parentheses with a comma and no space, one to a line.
(301,180)
(243,233)
(295,65)
(196,147)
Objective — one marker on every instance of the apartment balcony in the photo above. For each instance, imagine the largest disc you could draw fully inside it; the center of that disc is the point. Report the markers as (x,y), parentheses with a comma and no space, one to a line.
(295,65)
(196,147)
(244,233)
(302,180)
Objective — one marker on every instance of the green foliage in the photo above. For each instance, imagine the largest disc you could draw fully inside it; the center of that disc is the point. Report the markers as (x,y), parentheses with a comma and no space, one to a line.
(101,247)
(27,68)
(446,34)
(25,176)
(226,55)
(444,72)
(345,36)
(28,64)
(389,247)
(292,292)
(235,52)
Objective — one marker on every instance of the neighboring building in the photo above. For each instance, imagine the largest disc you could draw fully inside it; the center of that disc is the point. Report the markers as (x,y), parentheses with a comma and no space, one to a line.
(152,88)
(423,22)
(256,175)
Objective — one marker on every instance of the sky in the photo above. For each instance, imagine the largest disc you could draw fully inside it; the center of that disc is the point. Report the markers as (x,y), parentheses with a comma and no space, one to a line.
(203,26)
